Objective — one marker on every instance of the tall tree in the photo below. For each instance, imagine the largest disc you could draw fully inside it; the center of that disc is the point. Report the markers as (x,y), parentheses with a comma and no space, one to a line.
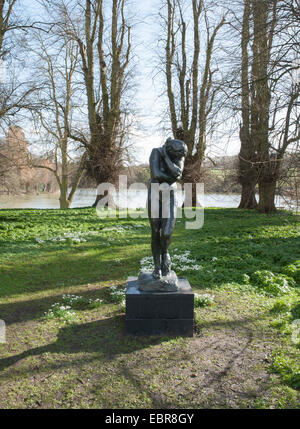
(191,94)
(56,64)
(264,22)
(275,119)
(269,97)
(105,49)
(247,166)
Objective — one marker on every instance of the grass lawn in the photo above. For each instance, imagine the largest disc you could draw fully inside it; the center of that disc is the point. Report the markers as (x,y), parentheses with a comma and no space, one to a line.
(71,351)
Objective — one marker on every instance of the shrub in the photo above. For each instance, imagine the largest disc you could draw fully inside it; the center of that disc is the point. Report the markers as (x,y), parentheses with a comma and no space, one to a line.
(287,368)
(246,279)
(272,284)
(295,311)
(293,270)
(280,307)
(295,380)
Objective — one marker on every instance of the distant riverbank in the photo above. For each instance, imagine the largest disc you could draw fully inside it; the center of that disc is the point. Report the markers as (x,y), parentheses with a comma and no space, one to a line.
(86,197)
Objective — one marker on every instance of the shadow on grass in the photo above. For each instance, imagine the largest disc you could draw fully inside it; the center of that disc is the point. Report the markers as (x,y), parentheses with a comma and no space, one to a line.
(104,338)
(103,341)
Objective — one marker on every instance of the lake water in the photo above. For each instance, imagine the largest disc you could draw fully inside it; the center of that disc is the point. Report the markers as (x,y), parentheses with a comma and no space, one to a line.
(86,197)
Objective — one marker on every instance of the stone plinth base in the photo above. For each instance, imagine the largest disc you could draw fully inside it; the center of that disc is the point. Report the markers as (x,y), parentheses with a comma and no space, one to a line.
(159,313)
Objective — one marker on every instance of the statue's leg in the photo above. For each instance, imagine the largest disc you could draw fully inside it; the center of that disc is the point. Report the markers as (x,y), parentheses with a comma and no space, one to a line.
(155,246)
(155,224)
(166,235)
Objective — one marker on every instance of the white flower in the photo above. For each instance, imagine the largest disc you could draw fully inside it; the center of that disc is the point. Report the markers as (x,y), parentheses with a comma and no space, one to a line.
(182,262)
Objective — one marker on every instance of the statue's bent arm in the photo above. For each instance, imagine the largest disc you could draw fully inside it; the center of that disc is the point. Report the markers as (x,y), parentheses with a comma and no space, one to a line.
(156,172)
(175,169)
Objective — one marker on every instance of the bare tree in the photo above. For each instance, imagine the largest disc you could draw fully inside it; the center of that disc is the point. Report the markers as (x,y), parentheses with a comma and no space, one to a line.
(56,65)
(288,184)
(275,119)
(105,52)
(247,166)
(269,97)
(191,94)
(6,24)
(15,93)
(10,99)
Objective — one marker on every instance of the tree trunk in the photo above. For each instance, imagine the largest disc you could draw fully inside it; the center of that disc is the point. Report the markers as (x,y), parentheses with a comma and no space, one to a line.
(195,201)
(266,202)
(191,176)
(64,182)
(110,200)
(247,170)
(261,102)
(64,203)
(248,198)
(247,174)
(78,176)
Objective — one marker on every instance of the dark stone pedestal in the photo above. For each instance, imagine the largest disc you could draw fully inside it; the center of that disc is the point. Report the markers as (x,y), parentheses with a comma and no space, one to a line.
(159,313)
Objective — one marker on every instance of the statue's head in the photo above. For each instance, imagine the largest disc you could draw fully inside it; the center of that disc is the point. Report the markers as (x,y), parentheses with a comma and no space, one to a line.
(176,149)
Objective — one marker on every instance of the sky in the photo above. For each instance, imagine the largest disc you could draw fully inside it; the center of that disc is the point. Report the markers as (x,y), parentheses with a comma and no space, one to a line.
(148,99)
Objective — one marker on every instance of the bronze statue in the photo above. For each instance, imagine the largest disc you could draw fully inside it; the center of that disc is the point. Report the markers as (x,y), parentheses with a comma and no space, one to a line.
(166,166)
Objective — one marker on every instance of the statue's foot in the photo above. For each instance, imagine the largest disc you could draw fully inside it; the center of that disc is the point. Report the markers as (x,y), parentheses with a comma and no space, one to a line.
(166,264)
(156,273)
(148,283)
(166,270)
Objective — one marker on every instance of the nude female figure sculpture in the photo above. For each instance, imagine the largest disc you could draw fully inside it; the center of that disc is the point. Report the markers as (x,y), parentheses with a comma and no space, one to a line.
(166,166)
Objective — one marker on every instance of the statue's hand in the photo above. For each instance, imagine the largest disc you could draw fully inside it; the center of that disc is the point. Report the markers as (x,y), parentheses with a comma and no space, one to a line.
(177,173)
